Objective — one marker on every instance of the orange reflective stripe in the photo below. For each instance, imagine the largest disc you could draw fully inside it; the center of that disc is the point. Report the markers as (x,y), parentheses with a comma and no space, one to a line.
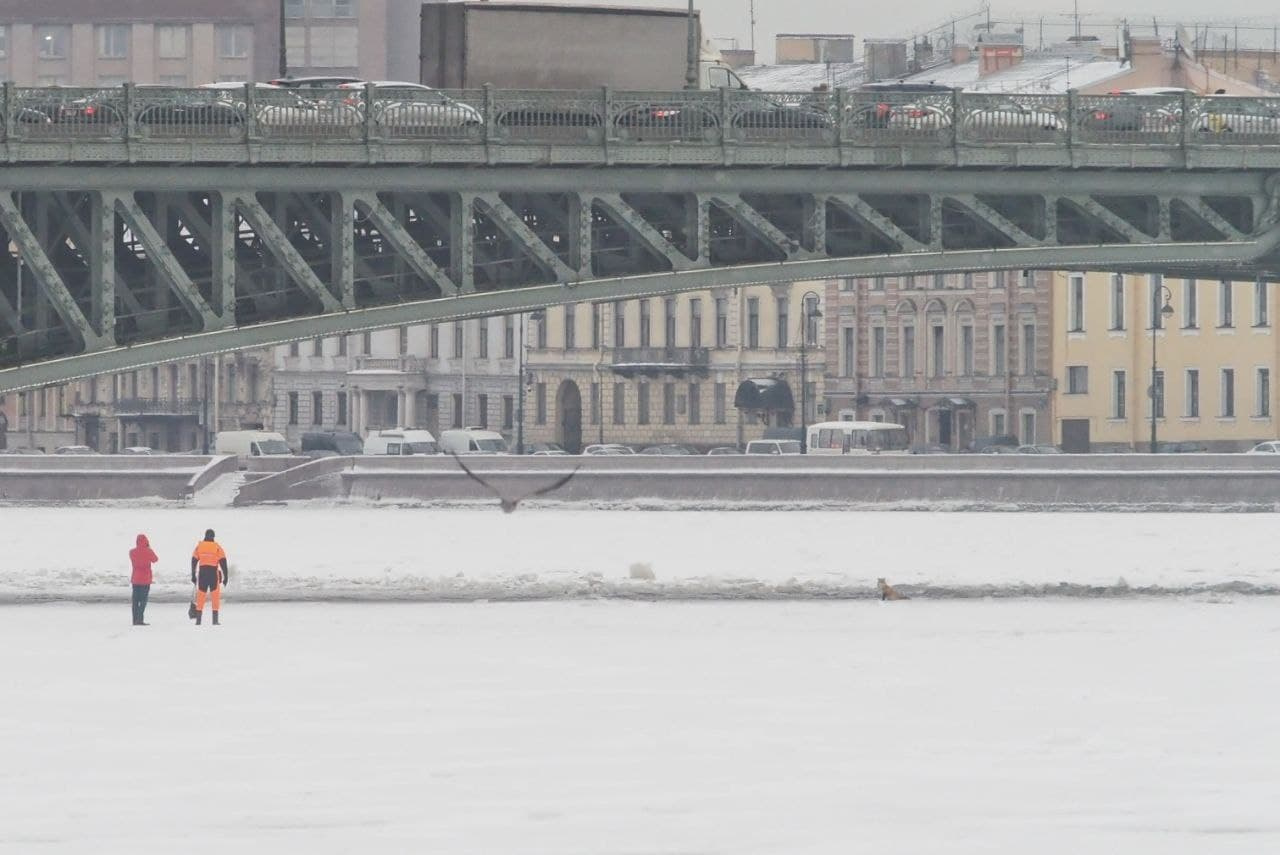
(208,553)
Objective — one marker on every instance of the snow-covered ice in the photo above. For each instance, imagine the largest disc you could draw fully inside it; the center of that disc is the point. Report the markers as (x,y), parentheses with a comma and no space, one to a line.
(372,553)
(977,726)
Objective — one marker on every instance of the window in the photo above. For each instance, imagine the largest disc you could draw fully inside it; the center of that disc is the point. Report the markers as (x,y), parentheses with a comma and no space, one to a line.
(457,340)
(508,337)
(966,281)
(997,278)
(1228,410)
(668,403)
(782,322)
(1117,301)
(342,345)
(193,383)
(998,423)
(1156,302)
(848,353)
(718,403)
(619,325)
(402,340)
(753,322)
(317,408)
(645,323)
(155,382)
(1028,279)
(340,416)
(540,339)
(1261,315)
(540,398)
(877,351)
(877,284)
(113,41)
(366,343)
(1119,395)
(1158,396)
(1225,307)
(999,350)
(1190,305)
(1191,409)
(295,8)
(1029,350)
(293,408)
(938,357)
(482,342)
(508,411)
(695,404)
(233,40)
(482,404)
(1077,379)
(695,322)
(171,41)
(908,351)
(253,381)
(595,404)
(457,410)
(1262,392)
(669,321)
(642,403)
(619,403)
(811,315)
(1028,427)
(293,348)
(966,350)
(939,281)
(52,42)
(570,324)
(4,41)
(595,326)
(722,321)
(1075,304)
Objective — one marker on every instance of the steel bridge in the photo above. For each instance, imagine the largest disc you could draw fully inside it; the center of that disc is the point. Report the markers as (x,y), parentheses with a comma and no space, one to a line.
(149,225)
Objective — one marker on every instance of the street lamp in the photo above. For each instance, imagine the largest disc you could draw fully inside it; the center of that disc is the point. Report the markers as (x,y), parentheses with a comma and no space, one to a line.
(809,312)
(538,316)
(1157,323)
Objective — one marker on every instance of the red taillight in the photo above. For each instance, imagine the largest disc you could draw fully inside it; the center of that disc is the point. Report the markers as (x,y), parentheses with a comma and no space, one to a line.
(917,113)
(1101,116)
(89,111)
(883,110)
(665,114)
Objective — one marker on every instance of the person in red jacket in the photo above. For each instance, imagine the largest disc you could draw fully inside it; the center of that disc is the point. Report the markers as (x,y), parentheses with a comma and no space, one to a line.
(142,557)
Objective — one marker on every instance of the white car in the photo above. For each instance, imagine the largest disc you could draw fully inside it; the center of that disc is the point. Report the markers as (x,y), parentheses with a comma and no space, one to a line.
(1269,447)
(609,449)
(74,449)
(412,109)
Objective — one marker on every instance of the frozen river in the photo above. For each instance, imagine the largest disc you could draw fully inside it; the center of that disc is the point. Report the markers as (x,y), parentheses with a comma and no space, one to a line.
(369,553)
(1135,725)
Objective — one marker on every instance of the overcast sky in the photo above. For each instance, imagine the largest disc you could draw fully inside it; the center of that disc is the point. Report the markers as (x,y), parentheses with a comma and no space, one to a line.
(729,18)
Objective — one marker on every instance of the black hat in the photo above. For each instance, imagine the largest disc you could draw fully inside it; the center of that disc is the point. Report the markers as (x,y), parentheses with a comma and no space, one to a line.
(208,534)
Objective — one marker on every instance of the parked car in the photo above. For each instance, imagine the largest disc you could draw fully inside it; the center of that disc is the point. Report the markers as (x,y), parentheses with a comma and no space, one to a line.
(722,449)
(668,448)
(544,448)
(902,106)
(136,449)
(1269,447)
(405,109)
(774,446)
(317,82)
(74,449)
(1009,115)
(929,449)
(1227,114)
(1039,449)
(331,443)
(609,449)
(21,450)
(1184,447)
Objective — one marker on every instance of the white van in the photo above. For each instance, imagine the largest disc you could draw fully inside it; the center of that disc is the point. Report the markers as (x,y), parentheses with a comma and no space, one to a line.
(250,443)
(774,446)
(401,441)
(472,441)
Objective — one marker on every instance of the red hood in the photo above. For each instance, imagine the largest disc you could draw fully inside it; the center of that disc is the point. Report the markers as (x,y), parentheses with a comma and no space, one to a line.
(142,540)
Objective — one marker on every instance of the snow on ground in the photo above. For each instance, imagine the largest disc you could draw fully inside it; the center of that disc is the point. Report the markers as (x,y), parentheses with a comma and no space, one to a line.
(372,553)
(594,728)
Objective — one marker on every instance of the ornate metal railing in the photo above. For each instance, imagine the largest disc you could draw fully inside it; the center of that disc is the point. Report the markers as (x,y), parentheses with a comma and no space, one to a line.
(249,114)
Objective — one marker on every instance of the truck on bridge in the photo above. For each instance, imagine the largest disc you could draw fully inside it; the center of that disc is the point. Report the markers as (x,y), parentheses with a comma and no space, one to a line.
(546,46)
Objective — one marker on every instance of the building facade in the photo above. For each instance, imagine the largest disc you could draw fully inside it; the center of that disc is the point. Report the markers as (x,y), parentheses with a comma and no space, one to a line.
(670,369)
(109,42)
(431,376)
(1216,356)
(164,407)
(953,357)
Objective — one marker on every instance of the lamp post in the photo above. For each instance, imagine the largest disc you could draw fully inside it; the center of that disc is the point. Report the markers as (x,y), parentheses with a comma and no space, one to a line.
(538,316)
(691,69)
(808,313)
(1157,323)
(284,52)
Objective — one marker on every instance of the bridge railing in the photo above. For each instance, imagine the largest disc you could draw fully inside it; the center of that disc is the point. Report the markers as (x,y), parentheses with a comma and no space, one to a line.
(364,114)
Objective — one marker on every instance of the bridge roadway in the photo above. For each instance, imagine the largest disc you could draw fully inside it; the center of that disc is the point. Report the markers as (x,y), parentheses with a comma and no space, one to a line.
(165,224)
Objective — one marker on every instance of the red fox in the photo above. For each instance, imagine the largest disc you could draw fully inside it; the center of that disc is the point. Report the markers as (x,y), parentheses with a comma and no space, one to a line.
(888,592)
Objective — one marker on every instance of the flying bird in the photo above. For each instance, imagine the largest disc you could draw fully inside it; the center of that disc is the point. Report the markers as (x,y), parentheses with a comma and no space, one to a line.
(509,503)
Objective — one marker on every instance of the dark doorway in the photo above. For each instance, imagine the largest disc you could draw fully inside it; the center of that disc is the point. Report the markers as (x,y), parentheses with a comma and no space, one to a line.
(569,417)
(944,428)
(1075,436)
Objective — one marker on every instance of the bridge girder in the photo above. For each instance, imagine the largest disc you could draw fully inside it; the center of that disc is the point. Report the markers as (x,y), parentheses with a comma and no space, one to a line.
(174,264)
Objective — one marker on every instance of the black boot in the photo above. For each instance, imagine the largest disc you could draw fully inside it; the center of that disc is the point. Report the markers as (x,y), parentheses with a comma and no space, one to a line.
(199,615)
(215,617)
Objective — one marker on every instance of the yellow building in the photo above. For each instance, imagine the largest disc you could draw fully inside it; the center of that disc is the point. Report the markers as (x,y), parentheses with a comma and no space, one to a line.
(1216,356)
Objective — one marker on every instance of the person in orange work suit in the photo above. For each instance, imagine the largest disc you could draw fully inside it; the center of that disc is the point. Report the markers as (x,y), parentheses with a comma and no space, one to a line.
(208,573)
